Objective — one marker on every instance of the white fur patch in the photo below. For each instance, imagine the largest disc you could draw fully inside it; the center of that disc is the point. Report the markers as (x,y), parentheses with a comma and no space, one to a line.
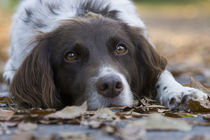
(173,95)
(95,100)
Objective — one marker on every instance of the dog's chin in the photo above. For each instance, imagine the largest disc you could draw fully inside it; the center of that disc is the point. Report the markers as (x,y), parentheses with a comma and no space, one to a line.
(97,101)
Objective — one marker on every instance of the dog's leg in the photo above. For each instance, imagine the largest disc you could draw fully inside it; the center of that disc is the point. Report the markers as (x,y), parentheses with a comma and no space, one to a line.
(173,95)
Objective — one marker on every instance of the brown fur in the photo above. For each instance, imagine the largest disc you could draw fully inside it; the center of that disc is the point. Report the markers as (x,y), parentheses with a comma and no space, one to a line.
(36,83)
(33,84)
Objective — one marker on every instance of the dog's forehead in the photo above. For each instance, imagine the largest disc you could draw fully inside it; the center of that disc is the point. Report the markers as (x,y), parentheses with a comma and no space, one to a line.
(90,29)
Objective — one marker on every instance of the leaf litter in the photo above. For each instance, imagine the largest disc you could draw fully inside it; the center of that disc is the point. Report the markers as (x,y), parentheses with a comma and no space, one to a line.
(148,115)
(69,112)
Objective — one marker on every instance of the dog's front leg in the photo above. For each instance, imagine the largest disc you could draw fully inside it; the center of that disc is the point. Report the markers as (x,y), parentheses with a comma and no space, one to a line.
(173,95)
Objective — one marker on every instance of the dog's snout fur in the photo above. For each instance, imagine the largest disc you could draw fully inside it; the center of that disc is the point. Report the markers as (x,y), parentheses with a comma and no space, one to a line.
(109,86)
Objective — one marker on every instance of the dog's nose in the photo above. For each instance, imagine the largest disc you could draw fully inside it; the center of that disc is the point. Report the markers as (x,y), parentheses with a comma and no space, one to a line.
(109,86)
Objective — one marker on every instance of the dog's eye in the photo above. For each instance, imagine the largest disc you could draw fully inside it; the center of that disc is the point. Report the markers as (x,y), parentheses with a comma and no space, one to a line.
(121,49)
(71,56)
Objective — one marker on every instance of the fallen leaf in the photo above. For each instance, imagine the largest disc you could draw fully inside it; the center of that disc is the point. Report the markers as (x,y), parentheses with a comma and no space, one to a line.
(179,115)
(138,115)
(198,85)
(199,105)
(5,100)
(132,132)
(6,115)
(172,114)
(159,122)
(26,126)
(150,108)
(105,114)
(69,112)
(148,101)
(188,115)
(109,129)
(42,112)
(23,136)
(47,121)
(92,124)
(206,117)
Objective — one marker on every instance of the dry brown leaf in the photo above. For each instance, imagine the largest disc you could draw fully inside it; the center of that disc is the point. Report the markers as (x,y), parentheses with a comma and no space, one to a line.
(47,121)
(206,117)
(27,126)
(199,106)
(104,114)
(138,115)
(42,112)
(150,108)
(148,101)
(69,112)
(30,136)
(109,129)
(159,122)
(5,100)
(6,115)
(198,85)
(132,132)
(23,136)
(92,124)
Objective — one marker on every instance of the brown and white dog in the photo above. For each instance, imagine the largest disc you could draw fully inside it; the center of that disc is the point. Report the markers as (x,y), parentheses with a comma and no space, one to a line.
(65,52)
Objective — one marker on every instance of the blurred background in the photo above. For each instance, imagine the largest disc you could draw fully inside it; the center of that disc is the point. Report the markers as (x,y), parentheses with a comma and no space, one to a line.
(179,28)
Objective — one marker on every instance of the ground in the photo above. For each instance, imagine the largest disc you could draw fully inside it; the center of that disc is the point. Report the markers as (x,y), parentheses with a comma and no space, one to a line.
(181,33)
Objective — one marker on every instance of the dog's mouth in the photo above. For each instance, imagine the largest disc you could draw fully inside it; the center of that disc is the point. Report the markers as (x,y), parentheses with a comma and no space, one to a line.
(100,102)
(109,89)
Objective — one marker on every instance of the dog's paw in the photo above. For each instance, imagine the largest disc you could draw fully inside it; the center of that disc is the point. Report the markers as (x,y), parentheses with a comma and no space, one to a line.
(177,99)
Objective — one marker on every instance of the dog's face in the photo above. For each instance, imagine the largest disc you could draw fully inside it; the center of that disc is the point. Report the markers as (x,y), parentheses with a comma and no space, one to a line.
(100,60)
(95,62)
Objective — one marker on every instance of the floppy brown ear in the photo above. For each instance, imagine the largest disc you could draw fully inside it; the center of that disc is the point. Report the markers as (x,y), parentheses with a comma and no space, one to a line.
(150,63)
(33,84)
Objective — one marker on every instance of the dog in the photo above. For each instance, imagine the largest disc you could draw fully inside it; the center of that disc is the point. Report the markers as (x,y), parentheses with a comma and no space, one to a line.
(65,52)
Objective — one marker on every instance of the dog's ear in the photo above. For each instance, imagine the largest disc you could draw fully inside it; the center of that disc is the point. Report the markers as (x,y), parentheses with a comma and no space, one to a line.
(33,84)
(150,63)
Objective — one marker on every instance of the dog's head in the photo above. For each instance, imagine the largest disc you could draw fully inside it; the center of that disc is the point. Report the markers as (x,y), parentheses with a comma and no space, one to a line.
(101,60)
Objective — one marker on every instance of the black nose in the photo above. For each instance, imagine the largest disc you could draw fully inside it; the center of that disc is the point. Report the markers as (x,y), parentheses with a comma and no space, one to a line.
(109,86)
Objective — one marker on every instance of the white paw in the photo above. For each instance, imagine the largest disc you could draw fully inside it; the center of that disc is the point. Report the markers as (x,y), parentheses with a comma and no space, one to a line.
(177,98)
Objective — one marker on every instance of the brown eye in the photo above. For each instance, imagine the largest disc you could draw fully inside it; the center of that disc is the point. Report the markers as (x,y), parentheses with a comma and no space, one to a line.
(71,56)
(121,49)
